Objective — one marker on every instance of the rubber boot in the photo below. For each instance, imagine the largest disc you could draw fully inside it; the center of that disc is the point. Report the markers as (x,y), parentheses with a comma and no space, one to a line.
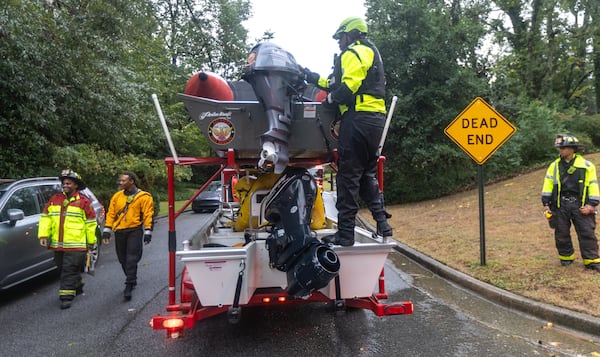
(65,304)
(334,239)
(384,229)
(593,266)
(127,292)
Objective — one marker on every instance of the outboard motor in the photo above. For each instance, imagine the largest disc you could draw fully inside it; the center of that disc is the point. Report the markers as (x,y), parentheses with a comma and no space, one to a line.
(275,78)
(309,264)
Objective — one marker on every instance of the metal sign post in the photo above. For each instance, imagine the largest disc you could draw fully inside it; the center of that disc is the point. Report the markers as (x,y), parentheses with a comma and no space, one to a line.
(480,130)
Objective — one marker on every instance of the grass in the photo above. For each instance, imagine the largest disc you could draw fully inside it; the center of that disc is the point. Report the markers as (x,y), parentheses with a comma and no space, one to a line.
(178,204)
(520,252)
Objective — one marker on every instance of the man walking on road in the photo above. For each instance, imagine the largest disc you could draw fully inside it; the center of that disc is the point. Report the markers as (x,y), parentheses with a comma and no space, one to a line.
(130,217)
(570,194)
(68,227)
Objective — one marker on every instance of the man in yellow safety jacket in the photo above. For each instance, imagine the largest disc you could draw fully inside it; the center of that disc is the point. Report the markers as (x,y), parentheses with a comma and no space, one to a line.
(570,194)
(357,89)
(68,227)
(130,215)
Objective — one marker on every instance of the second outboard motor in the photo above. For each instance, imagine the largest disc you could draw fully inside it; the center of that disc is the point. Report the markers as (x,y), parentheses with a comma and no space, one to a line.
(292,248)
(275,78)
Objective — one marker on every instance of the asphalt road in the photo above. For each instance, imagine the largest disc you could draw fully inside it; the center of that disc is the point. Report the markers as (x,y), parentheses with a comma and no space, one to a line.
(448,321)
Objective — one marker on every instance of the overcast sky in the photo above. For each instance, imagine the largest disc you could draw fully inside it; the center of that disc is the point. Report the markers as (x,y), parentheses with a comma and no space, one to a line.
(303,28)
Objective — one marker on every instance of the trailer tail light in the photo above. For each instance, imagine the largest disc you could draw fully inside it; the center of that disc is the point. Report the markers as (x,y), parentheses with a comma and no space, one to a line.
(268,299)
(173,323)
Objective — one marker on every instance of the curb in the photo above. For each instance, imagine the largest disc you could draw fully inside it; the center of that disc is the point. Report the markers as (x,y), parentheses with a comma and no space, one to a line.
(567,318)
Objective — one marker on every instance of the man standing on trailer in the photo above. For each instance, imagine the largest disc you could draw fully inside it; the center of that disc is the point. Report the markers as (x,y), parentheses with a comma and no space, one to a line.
(130,216)
(357,88)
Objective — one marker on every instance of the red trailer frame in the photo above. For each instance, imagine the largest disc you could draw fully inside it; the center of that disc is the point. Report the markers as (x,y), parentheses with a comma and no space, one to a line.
(184,314)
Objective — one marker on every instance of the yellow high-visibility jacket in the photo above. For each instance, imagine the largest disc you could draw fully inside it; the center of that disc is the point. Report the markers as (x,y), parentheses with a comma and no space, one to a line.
(357,82)
(588,182)
(122,215)
(69,224)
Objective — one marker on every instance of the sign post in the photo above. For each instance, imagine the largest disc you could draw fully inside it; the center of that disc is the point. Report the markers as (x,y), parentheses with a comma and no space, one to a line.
(480,130)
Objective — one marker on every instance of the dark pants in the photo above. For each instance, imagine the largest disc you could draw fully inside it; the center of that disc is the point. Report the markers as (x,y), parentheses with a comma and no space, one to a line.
(70,265)
(584,226)
(360,134)
(129,246)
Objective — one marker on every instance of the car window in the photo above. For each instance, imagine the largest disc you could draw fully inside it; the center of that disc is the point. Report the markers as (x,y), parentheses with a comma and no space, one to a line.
(25,199)
(214,186)
(47,191)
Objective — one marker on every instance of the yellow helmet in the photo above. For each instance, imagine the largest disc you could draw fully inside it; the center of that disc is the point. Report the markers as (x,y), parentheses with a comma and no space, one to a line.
(353,25)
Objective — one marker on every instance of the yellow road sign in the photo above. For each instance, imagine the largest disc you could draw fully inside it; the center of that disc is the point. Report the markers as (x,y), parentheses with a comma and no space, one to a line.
(480,130)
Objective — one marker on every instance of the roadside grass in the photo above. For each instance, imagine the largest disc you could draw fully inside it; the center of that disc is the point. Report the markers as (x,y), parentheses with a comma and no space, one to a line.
(178,204)
(520,252)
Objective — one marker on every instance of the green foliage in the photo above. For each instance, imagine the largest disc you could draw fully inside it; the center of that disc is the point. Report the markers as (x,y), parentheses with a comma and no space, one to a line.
(100,169)
(537,125)
(189,141)
(205,35)
(427,50)
(585,127)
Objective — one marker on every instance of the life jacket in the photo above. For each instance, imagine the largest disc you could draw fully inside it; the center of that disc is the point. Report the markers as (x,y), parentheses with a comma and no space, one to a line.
(374,82)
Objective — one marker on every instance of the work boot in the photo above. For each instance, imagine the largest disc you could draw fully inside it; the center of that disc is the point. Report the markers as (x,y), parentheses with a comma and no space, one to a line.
(384,229)
(127,291)
(65,304)
(79,290)
(594,266)
(566,263)
(334,239)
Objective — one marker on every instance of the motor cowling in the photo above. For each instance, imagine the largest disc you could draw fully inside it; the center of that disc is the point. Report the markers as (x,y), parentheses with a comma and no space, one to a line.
(309,264)
(276,79)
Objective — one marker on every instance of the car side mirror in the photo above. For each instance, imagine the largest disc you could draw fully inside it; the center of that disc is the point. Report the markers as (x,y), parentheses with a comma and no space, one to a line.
(14,215)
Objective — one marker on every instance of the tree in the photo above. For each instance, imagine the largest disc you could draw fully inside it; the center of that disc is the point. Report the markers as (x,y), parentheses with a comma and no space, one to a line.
(83,72)
(429,54)
(549,58)
(205,34)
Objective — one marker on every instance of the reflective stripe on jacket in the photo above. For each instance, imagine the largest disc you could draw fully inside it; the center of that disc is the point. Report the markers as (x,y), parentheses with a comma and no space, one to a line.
(588,182)
(69,224)
(139,211)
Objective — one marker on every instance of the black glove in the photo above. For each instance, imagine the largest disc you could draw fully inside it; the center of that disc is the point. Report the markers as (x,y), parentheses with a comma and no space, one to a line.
(328,104)
(147,238)
(311,77)
(105,235)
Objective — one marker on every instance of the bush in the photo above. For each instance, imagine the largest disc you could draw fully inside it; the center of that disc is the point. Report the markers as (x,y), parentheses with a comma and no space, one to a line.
(586,128)
(100,170)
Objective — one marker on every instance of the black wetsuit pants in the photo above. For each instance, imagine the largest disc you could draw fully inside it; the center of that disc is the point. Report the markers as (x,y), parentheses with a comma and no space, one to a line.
(360,133)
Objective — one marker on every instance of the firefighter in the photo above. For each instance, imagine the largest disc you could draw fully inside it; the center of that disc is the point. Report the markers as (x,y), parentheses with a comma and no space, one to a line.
(357,89)
(570,194)
(130,216)
(68,227)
